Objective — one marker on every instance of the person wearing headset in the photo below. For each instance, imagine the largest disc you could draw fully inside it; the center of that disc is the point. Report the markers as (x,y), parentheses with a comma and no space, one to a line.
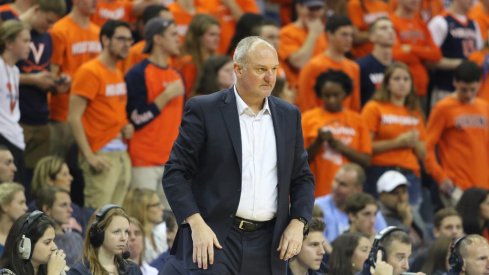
(389,254)
(469,255)
(106,244)
(30,247)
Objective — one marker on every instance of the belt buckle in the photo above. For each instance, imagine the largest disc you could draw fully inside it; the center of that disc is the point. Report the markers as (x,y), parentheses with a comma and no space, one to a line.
(241,223)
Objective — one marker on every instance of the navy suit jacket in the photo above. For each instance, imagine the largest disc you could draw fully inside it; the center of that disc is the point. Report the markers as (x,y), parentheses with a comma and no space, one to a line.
(203,173)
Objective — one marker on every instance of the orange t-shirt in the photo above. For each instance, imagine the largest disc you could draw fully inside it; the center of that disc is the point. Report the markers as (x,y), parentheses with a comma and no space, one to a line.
(362,18)
(307,99)
(347,126)
(479,14)
(73,45)
(182,18)
(112,9)
(460,134)
(226,19)
(291,39)
(479,57)
(428,8)
(135,56)
(387,121)
(414,32)
(189,72)
(105,89)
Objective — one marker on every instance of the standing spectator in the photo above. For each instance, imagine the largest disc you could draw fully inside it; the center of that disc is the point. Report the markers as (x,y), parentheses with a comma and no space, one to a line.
(458,131)
(348,181)
(119,10)
(99,90)
(154,106)
(479,12)
(350,250)
(12,206)
(457,36)
(183,11)
(14,46)
(340,39)
(481,58)
(334,135)
(36,80)
(362,14)
(56,203)
(136,247)
(373,65)
(415,47)
(302,39)
(30,247)
(201,42)
(312,251)
(361,209)
(7,165)
(228,13)
(217,74)
(15,9)
(426,9)
(473,207)
(75,41)
(396,125)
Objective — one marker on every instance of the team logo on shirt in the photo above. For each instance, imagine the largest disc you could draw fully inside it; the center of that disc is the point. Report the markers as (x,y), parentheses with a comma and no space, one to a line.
(115,89)
(471,121)
(341,132)
(400,120)
(112,14)
(86,47)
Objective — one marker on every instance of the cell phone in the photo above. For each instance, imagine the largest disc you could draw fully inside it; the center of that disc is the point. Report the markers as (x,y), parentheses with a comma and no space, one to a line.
(61,80)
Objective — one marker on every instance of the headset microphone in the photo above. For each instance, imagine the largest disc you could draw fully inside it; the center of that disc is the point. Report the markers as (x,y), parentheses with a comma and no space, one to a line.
(126,255)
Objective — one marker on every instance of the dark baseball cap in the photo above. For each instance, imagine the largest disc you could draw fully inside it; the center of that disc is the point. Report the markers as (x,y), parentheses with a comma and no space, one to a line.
(153,27)
(312,3)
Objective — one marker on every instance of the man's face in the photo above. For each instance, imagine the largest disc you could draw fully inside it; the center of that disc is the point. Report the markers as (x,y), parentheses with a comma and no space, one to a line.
(383,33)
(364,220)
(7,166)
(61,210)
(398,195)
(257,76)
(344,185)
(43,21)
(476,260)
(465,5)
(398,256)
(310,13)
(170,42)
(271,34)
(342,39)
(120,43)
(410,5)
(86,7)
(466,92)
(450,226)
(312,251)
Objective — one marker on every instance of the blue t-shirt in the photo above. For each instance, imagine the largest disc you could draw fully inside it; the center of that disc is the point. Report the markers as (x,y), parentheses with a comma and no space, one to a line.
(371,76)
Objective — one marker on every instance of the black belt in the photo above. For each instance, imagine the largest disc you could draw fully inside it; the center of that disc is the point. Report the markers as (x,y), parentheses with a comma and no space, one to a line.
(250,226)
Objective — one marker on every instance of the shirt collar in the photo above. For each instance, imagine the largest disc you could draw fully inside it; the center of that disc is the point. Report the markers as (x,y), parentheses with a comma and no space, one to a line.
(244,108)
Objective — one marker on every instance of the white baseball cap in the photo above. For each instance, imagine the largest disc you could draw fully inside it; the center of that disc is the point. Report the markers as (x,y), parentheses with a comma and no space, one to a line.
(390,180)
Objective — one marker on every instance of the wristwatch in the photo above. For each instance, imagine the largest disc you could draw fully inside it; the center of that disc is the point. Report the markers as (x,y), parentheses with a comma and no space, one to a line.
(306,225)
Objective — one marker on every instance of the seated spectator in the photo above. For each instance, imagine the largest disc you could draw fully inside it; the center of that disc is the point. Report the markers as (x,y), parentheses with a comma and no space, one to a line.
(435,262)
(30,247)
(396,124)
(350,250)
(283,91)
(105,246)
(311,254)
(392,187)
(12,206)
(200,43)
(146,206)
(334,134)
(171,231)
(136,247)
(469,255)
(53,171)
(217,74)
(473,207)
(56,203)
(348,181)
(361,209)
(7,165)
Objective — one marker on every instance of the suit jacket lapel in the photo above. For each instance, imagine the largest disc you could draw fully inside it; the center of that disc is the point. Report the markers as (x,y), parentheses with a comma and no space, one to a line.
(279,128)
(230,115)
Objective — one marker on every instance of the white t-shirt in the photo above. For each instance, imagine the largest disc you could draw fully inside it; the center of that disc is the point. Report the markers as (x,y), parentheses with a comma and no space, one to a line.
(9,105)
(146,269)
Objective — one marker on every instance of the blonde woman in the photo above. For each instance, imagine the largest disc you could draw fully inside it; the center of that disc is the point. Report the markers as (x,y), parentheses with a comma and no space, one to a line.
(12,206)
(136,247)
(146,206)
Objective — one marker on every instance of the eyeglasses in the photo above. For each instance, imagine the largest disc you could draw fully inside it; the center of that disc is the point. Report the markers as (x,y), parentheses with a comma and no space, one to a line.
(124,39)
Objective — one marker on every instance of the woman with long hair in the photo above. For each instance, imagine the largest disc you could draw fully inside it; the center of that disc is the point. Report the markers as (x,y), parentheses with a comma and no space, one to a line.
(105,247)
(217,74)
(136,247)
(30,247)
(350,250)
(12,206)
(473,207)
(201,42)
(436,262)
(396,126)
(146,206)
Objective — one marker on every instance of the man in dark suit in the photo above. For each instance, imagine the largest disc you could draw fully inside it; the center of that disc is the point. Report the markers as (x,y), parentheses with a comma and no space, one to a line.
(238,179)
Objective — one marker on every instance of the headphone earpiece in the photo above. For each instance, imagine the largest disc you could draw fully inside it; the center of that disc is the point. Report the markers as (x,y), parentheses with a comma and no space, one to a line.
(24,247)
(455,260)
(96,234)
(377,246)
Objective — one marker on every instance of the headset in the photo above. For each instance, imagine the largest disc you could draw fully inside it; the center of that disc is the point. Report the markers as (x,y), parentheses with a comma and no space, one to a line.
(96,234)
(25,246)
(455,260)
(377,246)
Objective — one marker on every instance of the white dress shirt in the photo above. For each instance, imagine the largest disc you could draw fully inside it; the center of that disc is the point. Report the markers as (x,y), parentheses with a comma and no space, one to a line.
(258,201)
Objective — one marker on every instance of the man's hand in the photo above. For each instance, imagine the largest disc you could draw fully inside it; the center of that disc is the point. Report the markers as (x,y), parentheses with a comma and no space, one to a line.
(408,139)
(63,84)
(56,262)
(204,240)
(381,267)
(127,131)
(98,163)
(291,240)
(446,187)
(324,135)
(315,27)
(44,80)
(175,89)
(405,212)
